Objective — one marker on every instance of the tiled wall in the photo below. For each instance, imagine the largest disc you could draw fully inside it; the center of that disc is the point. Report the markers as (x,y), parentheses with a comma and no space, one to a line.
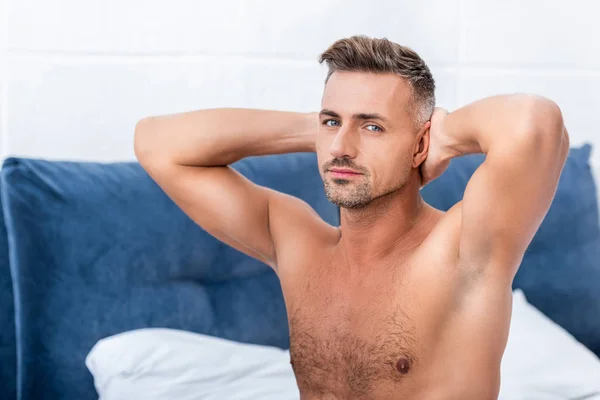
(75,76)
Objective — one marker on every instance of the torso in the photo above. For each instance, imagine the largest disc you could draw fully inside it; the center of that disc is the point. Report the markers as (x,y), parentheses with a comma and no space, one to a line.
(421,327)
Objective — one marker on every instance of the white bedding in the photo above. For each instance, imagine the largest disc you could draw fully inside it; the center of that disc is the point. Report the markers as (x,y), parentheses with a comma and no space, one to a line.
(153,364)
(541,362)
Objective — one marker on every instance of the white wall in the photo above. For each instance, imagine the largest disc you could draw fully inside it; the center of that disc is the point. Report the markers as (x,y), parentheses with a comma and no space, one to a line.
(3,47)
(75,76)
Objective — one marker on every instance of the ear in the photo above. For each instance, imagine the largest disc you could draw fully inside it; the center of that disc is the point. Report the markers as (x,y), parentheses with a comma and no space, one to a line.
(421,148)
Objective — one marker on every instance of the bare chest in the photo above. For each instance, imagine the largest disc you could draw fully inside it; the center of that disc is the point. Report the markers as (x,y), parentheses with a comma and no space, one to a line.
(354,341)
(345,351)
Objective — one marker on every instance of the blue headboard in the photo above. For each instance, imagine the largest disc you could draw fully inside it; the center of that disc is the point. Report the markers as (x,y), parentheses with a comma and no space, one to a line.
(8,344)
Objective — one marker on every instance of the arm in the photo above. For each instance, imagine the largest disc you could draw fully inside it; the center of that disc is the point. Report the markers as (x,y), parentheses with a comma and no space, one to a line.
(526,146)
(188,154)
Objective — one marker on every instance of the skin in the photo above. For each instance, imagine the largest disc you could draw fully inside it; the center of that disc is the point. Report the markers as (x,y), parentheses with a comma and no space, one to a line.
(401,300)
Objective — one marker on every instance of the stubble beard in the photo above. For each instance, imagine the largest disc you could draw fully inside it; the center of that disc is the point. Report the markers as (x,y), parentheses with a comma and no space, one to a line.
(347,194)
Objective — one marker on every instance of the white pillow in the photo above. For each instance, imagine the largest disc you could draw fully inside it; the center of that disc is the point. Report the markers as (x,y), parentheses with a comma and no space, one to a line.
(166,364)
(541,361)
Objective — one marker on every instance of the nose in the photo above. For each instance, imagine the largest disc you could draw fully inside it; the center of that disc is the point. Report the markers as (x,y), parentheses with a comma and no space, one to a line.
(343,144)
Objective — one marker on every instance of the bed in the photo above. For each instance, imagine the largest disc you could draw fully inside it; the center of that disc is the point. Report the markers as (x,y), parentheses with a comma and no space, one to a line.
(93,254)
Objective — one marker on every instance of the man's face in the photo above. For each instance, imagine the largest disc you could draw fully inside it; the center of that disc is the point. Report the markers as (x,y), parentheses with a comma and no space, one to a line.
(381,150)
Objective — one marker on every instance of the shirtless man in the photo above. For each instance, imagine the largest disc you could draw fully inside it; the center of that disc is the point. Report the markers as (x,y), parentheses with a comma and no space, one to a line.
(401,301)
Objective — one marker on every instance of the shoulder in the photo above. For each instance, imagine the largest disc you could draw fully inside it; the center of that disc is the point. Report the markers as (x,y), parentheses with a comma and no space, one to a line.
(298,231)
(445,231)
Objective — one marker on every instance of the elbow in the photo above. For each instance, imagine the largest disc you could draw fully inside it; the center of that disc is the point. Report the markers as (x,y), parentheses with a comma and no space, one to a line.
(544,119)
(143,140)
(546,128)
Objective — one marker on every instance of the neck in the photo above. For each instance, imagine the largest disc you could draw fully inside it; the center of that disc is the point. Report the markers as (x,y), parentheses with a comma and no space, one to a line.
(391,225)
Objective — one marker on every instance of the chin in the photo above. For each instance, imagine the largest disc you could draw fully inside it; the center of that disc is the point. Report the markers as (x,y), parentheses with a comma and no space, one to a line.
(352,202)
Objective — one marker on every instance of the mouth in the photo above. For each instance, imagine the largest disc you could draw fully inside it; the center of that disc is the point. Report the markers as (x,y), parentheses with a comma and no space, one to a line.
(343,173)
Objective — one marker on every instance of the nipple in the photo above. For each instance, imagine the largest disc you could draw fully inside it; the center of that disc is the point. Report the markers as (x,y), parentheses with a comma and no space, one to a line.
(402,365)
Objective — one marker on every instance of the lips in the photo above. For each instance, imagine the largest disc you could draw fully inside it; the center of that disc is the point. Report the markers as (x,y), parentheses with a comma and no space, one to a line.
(344,173)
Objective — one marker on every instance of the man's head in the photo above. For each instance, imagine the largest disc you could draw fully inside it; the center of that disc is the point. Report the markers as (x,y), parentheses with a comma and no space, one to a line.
(376,106)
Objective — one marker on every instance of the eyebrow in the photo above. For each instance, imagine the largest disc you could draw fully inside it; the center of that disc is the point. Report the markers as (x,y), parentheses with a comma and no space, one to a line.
(355,116)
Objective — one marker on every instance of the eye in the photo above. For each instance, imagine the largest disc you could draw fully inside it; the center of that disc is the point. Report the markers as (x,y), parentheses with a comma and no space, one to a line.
(380,130)
(325,122)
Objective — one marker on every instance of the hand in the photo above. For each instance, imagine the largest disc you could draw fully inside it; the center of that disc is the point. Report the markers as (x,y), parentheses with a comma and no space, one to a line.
(438,158)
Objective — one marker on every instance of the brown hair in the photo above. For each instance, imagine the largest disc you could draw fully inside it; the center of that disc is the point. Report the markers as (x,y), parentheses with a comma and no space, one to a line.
(361,53)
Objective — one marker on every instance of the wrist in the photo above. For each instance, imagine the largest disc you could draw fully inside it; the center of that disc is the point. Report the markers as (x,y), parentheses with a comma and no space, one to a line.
(455,142)
(309,128)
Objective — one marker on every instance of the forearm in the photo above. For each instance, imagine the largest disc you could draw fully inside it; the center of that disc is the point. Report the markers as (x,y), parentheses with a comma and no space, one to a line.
(500,121)
(221,136)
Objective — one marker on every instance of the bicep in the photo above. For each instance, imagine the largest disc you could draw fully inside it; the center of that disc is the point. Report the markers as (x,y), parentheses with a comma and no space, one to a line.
(224,203)
(506,200)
